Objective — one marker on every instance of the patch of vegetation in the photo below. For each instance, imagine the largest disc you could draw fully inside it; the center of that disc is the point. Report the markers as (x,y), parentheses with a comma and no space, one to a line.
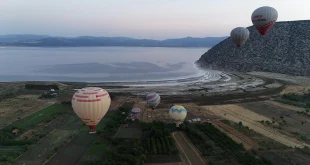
(217,146)
(8,140)
(41,86)
(304,97)
(296,99)
(294,103)
(49,95)
(45,114)
(159,140)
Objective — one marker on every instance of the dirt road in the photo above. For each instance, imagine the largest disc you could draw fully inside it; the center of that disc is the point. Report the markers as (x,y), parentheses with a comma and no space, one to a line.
(188,151)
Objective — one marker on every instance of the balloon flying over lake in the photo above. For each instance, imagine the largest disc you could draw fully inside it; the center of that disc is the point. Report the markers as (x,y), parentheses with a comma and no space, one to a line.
(264,18)
(239,35)
(90,104)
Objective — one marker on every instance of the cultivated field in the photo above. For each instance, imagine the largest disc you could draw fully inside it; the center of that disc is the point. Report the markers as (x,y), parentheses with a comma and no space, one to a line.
(132,131)
(18,107)
(251,119)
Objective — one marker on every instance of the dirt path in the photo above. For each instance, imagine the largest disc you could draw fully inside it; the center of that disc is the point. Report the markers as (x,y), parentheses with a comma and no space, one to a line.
(248,118)
(187,149)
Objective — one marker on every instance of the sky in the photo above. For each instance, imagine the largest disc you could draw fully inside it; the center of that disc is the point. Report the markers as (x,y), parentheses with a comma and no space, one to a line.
(152,19)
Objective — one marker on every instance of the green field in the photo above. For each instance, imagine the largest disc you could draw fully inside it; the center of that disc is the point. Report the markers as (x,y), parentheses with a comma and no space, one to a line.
(134,133)
(42,115)
(11,150)
(97,148)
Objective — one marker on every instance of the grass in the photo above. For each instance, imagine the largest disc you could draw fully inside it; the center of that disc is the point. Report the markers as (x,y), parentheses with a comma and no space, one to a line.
(97,148)
(11,150)
(163,159)
(128,133)
(42,115)
(294,103)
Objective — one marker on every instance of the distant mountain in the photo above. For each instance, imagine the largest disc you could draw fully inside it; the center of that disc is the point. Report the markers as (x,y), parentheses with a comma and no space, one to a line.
(48,41)
(11,38)
(285,49)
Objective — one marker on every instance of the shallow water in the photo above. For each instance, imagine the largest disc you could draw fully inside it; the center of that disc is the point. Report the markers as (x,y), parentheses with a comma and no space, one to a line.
(99,64)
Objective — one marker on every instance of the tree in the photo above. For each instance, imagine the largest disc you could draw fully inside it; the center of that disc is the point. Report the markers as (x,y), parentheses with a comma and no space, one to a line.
(240,124)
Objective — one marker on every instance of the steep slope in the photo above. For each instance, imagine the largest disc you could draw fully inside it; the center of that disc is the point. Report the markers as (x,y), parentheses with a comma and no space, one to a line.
(284,49)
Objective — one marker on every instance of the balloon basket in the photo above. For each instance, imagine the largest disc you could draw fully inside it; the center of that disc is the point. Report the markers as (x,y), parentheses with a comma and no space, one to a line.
(92,132)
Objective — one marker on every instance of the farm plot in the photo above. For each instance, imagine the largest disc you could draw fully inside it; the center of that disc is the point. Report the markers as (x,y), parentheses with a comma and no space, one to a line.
(45,148)
(263,142)
(219,148)
(132,131)
(160,145)
(116,102)
(18,107)
(74,150)
(40,116)
(251,119)
(10,152)
(287,119)
(127,105)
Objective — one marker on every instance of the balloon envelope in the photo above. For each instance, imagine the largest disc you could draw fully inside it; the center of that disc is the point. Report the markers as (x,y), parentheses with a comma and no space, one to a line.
(135,113)
(177,114)
(239,35)
(264,18)
(153,99)
(91,104)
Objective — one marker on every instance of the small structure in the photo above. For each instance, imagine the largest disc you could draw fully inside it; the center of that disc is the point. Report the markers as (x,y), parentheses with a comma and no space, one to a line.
(52,90)
(15,131)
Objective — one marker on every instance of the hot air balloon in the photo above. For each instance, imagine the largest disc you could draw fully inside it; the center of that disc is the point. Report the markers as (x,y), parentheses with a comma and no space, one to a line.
(264,18)
(91,104)
(178,114)
(135,113)
(239,35)
(153,99)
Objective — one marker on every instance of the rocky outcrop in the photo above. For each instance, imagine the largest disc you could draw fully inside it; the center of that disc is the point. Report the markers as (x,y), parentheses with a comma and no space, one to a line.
(285,49)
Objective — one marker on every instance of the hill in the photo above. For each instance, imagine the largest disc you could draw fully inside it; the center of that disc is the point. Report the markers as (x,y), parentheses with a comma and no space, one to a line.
(47,41)
(285,49)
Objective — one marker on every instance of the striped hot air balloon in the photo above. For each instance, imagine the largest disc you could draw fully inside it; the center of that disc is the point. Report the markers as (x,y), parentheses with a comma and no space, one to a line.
(135,113)
(177,114)
(264,18)
(91,104)
(153,99)
(239,35)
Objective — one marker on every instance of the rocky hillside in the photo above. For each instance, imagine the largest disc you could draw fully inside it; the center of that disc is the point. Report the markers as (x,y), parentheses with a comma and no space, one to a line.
(285,49)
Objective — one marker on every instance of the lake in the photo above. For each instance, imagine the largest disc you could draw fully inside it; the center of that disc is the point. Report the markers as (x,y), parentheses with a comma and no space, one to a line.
(98,64)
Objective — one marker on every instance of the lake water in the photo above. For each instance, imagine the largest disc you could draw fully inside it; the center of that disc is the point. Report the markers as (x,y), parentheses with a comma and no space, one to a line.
(98,64)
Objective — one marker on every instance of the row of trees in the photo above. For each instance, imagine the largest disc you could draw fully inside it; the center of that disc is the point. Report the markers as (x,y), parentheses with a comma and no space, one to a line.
(161,145)
(41,86)
(305,97)
(219,137)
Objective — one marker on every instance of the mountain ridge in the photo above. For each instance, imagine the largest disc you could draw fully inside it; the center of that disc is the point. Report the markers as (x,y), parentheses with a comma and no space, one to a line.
(53,41)
(285,49)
